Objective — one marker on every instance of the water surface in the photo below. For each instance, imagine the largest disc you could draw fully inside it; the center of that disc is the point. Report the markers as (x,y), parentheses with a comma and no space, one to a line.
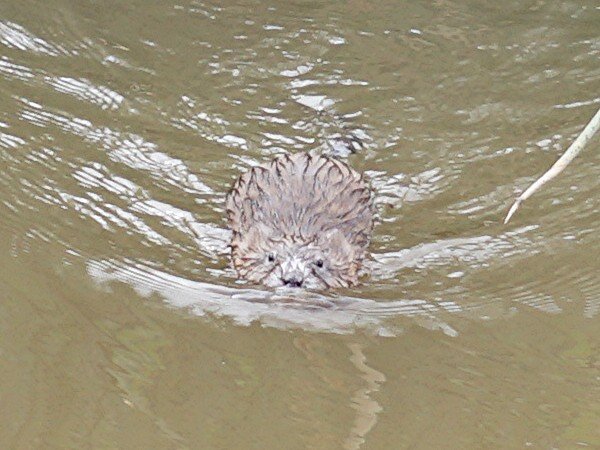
(122,126)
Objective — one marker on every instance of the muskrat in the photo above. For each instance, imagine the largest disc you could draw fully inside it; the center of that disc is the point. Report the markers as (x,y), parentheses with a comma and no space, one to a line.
(301,220)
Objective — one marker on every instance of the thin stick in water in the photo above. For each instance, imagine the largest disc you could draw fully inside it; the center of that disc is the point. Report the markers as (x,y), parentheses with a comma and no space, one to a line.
(562,162)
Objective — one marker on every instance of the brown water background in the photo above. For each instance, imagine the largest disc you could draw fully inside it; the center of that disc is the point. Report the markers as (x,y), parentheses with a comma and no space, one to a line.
(122,125)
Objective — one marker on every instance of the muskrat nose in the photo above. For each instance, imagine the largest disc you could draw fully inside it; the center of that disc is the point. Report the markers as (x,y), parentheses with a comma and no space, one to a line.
(293,280)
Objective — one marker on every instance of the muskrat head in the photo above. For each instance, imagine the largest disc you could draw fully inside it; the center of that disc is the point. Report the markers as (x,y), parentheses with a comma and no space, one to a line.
(301,220)
(264,255)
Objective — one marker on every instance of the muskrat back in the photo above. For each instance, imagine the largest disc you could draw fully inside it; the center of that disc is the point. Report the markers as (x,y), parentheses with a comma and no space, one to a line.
(302,220)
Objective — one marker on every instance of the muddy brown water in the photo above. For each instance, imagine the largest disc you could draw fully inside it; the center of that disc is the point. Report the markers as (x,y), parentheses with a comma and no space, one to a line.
(122,125)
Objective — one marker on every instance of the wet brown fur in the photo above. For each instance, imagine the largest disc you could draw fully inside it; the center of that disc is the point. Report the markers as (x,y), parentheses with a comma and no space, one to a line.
(301,198)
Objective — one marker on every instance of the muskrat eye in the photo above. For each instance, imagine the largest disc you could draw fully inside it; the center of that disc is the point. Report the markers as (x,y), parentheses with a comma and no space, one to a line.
(271,257)
(319,263)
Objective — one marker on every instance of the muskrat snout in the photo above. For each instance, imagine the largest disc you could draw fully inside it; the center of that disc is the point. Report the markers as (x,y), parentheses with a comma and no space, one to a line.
(293,279)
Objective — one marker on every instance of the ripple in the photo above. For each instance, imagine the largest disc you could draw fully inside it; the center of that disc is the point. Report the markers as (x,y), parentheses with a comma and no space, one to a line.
(296,72)
(396,189)
(578,104)
(15,36)
(10,69)
(308,311)
(134,151)
(442,150)
(10,141)
(86,90)
(208,126)
(127,148)
(211,240)
(316,102)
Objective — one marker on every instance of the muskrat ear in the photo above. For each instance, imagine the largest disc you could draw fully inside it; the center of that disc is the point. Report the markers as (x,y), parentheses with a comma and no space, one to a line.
(257,237)
(336,240)
(262,230)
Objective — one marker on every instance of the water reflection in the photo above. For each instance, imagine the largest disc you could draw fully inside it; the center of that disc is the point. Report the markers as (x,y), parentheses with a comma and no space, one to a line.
(85,90)
(10,69)
(120,134)
(344,314)
(366,408)
(309,311)
(116,202)
(16,36)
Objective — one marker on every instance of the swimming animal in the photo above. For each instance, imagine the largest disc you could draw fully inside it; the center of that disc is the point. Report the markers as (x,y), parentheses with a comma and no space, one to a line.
(301,220)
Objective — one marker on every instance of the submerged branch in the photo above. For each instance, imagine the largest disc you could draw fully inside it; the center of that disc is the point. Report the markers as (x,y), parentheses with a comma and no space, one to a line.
(562,162)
